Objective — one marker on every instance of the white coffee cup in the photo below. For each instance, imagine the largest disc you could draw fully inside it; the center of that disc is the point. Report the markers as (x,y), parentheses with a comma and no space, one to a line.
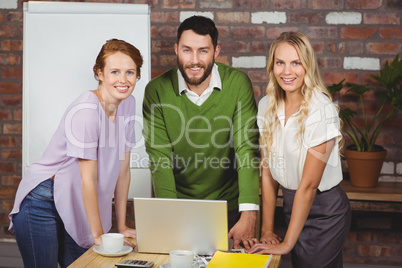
(112,242)
(181,258)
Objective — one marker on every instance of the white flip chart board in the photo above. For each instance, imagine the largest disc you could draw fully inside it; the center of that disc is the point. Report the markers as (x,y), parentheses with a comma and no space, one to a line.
(61,42)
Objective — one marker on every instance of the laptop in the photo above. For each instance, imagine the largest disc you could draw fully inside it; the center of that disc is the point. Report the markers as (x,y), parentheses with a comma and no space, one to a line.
(164,224)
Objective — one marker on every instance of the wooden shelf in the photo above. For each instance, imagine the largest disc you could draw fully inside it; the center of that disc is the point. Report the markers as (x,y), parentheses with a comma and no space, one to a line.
(385,197)
(385,191)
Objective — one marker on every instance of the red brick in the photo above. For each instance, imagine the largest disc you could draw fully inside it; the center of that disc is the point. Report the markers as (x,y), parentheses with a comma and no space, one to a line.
(9,88)
(352,237)
(11,100)
(151,3)
(304,17)
(223,31)
(15,17)
(167,60)
(10,59)
(8,142)
(389,238)
(8,31)
(106,1)
(6,167)
(249,4)
(167,31)
(394,4)
(1,17)
(11,180)
(289,4)
(334,78)
(322,32)
(391,33)
(164,17)
(176,4)
(154,31)
(258,76)
(260,47)
(243,32)
(157,72)
(357,33)
(234,46)
(318,47)
(5,115)
(325,4)
(11,154)
(363,4)
(364,236)
(11,72)
(216,4)
(381,18)
(274,32)
(7,205)
(223,59)
(329,63)
(257,91)
(353,47)
(11,45)
(383,48)
(366,79)
(232,17)
(385,139)
(17,115)
(12,128)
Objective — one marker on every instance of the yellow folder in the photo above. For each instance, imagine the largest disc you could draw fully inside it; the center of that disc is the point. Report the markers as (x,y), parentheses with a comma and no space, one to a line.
(234,260)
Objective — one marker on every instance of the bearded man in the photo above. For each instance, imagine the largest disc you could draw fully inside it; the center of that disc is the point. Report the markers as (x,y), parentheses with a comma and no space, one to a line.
(200,129)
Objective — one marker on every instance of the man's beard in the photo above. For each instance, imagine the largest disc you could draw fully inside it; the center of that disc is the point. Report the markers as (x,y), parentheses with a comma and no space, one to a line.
(195,81)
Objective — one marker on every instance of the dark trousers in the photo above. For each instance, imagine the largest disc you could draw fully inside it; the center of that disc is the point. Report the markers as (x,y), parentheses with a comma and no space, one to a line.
(325,231)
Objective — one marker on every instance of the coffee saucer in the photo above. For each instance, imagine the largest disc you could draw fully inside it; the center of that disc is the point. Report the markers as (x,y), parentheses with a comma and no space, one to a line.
(124,251)
(168,265)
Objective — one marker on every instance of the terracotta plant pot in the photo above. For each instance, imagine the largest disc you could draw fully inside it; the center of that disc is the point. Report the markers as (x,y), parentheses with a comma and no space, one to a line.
(364,167)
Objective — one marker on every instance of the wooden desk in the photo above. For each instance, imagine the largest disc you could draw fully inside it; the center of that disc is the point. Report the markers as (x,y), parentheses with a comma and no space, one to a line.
(91,259)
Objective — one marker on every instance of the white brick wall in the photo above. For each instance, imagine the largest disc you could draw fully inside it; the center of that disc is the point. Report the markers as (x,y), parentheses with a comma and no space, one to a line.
(268,17)
(388,168)
(249,62)
(8,4)
(399,168)
(358,63)
(187,14)
(343,18)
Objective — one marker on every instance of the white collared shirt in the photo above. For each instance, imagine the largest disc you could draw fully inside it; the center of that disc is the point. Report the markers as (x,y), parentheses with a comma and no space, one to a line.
(288,155)
(215,82)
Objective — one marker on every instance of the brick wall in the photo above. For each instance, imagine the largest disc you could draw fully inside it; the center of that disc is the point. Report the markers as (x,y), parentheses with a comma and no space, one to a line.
(352,39)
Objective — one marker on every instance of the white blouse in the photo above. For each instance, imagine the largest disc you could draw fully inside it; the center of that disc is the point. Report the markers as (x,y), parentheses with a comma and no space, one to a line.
(288,152)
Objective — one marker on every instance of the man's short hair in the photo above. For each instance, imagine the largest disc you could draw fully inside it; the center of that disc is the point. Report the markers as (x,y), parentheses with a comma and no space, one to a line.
(200,25)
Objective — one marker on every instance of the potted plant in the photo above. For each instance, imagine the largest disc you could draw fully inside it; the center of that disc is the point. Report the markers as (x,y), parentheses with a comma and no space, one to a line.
(364,156)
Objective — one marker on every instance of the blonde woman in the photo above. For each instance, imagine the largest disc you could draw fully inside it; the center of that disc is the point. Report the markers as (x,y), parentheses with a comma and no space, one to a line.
(300,139)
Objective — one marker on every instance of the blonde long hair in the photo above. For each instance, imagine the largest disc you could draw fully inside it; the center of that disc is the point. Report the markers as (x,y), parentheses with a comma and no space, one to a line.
(312,81)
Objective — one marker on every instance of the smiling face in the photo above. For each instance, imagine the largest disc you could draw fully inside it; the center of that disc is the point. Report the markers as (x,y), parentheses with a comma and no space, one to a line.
(288,69)
(195,58)
(118,78)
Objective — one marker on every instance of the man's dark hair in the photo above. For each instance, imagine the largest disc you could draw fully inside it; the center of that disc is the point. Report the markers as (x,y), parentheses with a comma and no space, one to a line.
(200,25)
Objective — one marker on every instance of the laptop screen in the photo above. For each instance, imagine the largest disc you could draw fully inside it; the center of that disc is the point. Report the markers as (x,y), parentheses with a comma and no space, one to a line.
(163,225)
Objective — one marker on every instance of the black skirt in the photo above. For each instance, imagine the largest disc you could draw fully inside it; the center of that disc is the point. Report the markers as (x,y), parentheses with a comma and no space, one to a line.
(325,231)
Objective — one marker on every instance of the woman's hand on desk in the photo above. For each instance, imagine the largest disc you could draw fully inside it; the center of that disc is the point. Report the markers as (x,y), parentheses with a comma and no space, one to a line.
(128,232)
(270,238)
(276,249)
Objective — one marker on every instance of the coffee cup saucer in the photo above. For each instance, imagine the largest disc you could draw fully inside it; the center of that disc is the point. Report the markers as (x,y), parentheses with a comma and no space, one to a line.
(101,251)
(168,265)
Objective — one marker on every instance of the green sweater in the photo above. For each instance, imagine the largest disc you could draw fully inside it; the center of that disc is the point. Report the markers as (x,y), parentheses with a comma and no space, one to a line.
(203,152)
